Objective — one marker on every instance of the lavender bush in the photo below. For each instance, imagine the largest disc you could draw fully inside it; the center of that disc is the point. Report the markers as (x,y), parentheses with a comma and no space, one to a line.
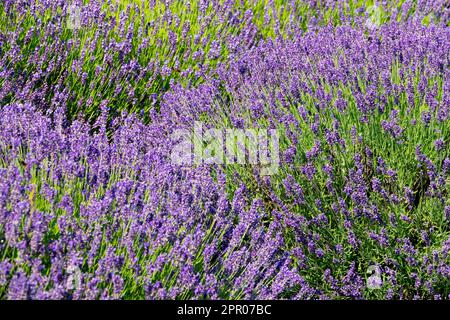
(92,207)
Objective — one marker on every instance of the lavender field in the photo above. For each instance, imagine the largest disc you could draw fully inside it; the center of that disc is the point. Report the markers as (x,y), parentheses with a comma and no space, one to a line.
(224,149)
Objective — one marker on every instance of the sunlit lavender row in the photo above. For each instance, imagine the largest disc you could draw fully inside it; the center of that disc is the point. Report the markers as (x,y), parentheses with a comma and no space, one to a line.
(93,206)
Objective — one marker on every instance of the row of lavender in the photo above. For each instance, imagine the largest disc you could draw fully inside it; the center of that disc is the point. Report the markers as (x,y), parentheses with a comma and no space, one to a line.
(78,53)
(95,209)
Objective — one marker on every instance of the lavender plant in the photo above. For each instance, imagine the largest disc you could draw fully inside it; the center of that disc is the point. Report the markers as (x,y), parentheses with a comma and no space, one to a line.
(130,52)
(92,207)
(365,123)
